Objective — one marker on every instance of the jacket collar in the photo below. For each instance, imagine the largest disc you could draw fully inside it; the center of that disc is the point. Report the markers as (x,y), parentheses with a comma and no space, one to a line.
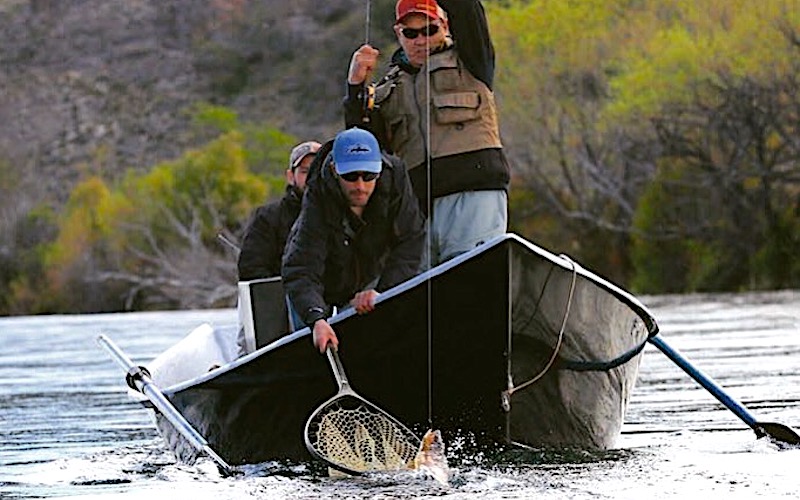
(400,59)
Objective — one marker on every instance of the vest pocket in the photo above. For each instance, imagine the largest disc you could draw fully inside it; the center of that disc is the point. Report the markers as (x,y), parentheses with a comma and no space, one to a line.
(457,107)
(398,133)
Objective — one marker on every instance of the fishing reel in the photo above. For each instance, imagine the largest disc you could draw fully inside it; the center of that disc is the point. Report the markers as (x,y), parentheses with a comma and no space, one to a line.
(368,101)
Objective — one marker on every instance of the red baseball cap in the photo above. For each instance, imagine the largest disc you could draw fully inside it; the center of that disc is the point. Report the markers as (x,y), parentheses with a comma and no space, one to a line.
(428,7)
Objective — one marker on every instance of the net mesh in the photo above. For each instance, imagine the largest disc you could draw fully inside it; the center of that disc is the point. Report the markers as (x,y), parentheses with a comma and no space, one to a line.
(362,439)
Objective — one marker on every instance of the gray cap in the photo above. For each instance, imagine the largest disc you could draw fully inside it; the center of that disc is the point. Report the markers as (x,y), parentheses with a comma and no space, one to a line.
(301,151)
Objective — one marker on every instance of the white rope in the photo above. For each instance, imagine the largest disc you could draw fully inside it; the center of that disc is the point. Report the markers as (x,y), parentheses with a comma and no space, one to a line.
(511,389)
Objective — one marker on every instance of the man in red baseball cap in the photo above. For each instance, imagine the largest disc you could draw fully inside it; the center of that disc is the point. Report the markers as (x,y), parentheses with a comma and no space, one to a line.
(427,7)
(435,109)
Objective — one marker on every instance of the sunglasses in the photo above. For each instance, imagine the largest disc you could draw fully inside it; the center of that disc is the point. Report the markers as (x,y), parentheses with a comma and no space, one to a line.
(354,176)
(412,33)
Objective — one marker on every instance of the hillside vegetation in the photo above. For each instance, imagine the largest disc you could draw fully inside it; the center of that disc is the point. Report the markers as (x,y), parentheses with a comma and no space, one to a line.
(654,141)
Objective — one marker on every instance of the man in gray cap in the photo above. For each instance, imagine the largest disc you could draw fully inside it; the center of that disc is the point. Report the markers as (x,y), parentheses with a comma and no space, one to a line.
(265,236)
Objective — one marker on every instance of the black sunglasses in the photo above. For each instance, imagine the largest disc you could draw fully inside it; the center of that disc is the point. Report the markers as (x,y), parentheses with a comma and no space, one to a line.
(354,176)
(412,33)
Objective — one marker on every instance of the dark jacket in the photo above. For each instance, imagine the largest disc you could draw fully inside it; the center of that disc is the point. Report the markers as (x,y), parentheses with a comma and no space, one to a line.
(472,171)
(265,236)
(332,254)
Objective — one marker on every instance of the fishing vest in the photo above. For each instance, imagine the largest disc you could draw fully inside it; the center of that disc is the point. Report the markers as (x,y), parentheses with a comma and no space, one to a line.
(462,110)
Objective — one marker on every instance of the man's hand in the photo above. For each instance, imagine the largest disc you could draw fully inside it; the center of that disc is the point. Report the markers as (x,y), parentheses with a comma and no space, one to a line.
(323,335)
(364,302)
(364,60)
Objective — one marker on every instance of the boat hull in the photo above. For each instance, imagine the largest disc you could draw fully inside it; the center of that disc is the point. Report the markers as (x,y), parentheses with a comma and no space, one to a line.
(508,343)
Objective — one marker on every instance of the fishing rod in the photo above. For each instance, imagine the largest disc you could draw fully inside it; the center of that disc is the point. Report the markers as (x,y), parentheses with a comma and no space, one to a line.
(368,95)
(229,244)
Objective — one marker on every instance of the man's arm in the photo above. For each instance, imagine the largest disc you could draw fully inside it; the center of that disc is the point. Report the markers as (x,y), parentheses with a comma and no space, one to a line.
(409,232)
(359,74)
(260,250)
(303,264)
(470,32)
(354,114)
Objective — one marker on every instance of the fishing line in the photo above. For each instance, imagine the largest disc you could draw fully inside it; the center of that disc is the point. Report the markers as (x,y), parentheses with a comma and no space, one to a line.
(366,24)
(428,237)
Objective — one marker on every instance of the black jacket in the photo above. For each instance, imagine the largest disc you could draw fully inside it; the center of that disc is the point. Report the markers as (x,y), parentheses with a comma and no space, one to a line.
(332,254)
(474,171)
(265,237)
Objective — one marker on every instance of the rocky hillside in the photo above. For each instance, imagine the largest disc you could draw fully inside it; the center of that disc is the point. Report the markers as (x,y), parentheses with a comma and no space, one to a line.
(107,84)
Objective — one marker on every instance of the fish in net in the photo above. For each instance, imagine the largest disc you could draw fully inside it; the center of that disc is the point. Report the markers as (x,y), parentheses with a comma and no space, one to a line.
(355,436)
(360,437)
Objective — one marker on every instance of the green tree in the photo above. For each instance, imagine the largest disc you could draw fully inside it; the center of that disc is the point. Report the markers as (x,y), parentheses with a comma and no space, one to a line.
(598,96)
(152,238)
(555,61)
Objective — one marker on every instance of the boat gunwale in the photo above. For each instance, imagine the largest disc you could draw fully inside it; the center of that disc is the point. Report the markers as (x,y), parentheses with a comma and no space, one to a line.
(561,260)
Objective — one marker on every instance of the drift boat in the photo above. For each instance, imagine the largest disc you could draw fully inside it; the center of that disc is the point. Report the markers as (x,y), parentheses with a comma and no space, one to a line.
(507,342)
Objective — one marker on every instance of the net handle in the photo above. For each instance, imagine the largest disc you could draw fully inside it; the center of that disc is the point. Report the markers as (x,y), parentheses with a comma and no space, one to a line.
(338,368)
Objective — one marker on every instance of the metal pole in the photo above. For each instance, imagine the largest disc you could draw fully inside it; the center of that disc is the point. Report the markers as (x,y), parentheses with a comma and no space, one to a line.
(138,378)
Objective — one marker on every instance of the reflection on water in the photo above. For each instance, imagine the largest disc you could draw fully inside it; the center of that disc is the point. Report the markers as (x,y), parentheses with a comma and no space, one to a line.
(67,427)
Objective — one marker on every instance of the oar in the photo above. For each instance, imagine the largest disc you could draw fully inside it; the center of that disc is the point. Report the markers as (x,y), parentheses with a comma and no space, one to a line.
(778,432)
(138,379)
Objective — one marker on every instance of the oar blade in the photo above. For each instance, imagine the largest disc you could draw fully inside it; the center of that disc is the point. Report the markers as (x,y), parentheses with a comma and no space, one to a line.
(778,432)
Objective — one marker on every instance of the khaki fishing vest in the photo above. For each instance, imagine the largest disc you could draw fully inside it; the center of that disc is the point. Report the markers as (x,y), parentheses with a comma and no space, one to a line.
(462,109)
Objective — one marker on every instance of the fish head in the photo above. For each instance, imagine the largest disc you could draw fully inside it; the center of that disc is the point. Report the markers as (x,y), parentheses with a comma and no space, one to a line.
(432,442)
(431,457)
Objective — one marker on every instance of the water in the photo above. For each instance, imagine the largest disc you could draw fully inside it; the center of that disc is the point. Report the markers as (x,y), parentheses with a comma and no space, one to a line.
(68,429)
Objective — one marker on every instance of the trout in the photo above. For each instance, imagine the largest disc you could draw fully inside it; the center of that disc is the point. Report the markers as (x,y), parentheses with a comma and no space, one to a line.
(431,458)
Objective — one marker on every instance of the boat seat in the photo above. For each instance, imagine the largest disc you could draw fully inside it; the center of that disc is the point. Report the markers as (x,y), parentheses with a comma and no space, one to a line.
(263,314)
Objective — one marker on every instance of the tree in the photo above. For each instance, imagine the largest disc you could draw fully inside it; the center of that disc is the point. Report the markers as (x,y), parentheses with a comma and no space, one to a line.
(730,129)
(555,64)
(601,99)
(152,239)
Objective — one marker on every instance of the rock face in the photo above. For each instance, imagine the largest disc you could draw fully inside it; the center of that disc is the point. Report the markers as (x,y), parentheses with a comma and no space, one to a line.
(86,82)
(106,84)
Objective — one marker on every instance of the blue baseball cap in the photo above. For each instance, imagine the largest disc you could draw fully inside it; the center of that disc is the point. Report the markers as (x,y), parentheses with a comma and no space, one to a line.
(356,150)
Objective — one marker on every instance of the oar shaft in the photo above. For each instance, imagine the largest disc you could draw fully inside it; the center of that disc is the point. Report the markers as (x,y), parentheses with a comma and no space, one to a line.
(705,381)
(140,380)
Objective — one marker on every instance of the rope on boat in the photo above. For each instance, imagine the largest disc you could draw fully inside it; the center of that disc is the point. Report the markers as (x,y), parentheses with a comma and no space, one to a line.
(601,366)
(506,395)
(573,365)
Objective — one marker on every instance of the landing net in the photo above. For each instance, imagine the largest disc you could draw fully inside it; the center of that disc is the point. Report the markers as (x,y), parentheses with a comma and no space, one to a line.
(361,438)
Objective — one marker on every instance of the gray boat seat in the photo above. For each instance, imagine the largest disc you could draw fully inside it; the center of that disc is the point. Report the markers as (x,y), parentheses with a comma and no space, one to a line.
(263,314)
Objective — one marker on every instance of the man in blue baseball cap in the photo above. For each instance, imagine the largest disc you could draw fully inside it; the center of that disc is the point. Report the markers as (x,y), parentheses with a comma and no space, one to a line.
(360,232)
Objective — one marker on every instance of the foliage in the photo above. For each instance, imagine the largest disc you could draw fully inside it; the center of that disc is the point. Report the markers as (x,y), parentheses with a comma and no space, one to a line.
(22,267)
(266,148)
(695,42)
(620,114)
(150,241)
(776,264)
(654,141)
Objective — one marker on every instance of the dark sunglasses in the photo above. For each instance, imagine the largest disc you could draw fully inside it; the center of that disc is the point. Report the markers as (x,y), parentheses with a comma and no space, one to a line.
(412,33)
(354,176)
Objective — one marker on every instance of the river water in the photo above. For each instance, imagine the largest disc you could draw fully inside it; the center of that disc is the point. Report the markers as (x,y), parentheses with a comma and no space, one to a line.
(68,429)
